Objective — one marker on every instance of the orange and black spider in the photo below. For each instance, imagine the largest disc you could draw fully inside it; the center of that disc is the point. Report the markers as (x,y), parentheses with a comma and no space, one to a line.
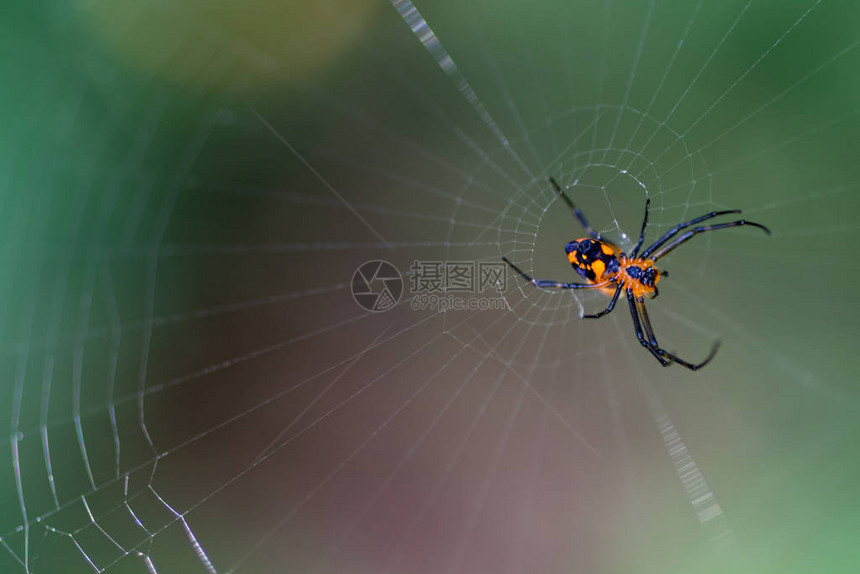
(607,268)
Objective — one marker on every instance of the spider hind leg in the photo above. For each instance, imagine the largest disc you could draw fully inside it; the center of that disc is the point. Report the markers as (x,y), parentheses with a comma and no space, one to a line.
(579,215)
(549,282)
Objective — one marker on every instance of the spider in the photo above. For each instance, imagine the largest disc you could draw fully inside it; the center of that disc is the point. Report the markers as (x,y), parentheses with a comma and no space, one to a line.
(606,267)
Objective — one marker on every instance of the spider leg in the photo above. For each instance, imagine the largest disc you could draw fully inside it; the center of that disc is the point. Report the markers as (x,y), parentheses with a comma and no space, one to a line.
(637,326)
(655,347)
(608,308)
(671,233)
(644,225)
(690,234)
(551,283)
(576,211)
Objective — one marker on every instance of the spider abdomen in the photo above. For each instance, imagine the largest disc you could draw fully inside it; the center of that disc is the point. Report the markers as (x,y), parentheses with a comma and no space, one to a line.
(594,260)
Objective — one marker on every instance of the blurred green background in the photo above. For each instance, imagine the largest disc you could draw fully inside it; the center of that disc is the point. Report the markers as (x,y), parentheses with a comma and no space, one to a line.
(187,187)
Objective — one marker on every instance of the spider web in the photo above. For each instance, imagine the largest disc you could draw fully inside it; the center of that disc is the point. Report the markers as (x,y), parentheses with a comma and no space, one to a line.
(190,386)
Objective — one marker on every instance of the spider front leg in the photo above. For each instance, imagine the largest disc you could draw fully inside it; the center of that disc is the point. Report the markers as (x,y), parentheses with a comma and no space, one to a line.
(681,226)
(637,310)
(662,252)
(637,326)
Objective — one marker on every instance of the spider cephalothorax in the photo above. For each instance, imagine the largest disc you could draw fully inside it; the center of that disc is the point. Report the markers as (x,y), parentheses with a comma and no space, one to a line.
(607,268)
